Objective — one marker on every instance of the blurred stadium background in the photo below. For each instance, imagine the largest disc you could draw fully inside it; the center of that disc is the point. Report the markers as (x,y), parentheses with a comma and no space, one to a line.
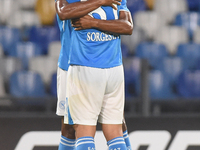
(161,60)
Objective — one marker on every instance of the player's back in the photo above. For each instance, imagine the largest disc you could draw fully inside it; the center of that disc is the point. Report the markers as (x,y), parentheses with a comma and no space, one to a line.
(95,48)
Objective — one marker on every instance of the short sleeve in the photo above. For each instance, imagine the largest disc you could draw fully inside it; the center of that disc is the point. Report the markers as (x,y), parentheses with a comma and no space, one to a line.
(123,6)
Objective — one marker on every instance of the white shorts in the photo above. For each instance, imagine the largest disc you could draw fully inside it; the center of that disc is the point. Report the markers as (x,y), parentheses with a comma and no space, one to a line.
(95,94)
(61,91)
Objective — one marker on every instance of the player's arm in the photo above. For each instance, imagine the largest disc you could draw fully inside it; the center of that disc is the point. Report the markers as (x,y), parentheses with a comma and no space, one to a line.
(79,9)
(124,25)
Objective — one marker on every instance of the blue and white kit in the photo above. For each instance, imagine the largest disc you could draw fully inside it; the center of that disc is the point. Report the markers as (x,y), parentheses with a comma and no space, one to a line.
(95,80)
(63,65)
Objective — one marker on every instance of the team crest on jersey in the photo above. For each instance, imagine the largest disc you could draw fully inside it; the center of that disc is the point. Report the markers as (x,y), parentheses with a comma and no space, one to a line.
(62,105)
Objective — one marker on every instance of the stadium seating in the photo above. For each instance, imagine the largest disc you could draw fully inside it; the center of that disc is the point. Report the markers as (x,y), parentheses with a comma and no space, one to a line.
(24,51)
(8,38)
(54,85)
(188,20)
(172,67)
(27,4)
(26,84)
(124,50)
(131,41)
(159,86)
(54,49)
(8,65)
(153,52)
(196,35)
(2,88)
(170,8)
(45,66)
(23,18)
(132,66)
(39,36)
(7,9)
(172,36)
(189,84)
(193,5)
(161,28)
(1,51)
(189,53)
(197,67)
(136,5)
(149,21)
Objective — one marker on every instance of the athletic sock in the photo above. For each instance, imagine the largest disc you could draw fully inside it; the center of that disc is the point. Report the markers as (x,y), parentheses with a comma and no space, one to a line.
(85,143)
(127,141)
(66,143)
(117,143)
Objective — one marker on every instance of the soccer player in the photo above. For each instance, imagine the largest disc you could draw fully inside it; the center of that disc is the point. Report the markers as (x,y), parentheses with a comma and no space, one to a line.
(95,81)
(69,11)
(66,13)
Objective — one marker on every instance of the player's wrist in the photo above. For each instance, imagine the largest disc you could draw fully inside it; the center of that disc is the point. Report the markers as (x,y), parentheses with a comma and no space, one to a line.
(94,23)
(98,2)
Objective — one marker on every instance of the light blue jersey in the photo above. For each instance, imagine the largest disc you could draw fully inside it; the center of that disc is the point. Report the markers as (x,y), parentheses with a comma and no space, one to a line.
(91,47)
(95,48)
(65,38)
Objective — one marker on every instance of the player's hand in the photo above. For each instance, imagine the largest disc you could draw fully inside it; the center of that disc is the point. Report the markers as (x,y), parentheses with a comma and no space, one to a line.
(111,3)
(82,23)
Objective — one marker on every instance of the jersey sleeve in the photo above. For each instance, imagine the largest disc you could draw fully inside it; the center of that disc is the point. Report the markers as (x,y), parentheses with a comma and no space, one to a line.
(123,6)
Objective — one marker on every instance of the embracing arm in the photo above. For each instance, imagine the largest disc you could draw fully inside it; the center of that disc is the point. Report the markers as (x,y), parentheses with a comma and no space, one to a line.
(124,25)
(79,9)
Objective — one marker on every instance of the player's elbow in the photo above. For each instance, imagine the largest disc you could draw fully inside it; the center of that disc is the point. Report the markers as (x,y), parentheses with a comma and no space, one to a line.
(62,16)
(129,30)
(63,13)
(61,9)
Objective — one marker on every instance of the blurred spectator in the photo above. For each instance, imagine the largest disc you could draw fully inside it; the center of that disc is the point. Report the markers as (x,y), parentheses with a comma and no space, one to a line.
(46,11)
(150,4)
